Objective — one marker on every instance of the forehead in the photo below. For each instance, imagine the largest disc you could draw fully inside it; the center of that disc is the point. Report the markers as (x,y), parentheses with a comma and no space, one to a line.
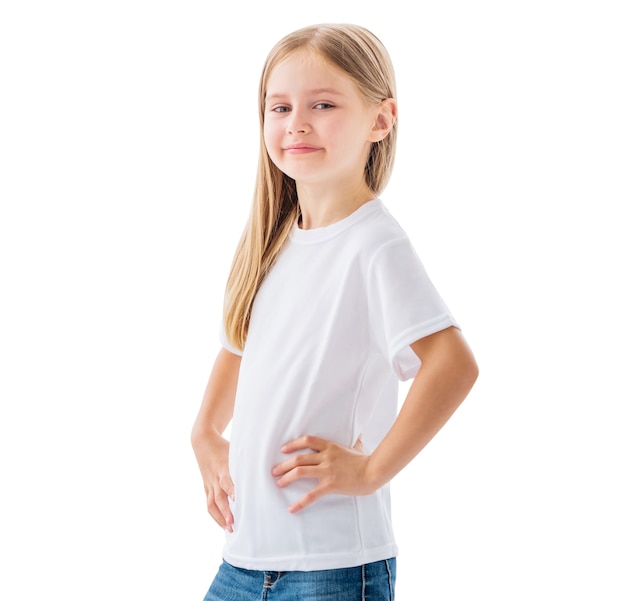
(307,69)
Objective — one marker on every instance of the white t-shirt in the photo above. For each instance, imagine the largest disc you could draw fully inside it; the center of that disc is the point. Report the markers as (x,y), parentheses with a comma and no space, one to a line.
(328,340)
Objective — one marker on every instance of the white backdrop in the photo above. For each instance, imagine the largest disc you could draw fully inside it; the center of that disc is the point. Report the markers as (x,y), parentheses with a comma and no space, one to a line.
(128,141)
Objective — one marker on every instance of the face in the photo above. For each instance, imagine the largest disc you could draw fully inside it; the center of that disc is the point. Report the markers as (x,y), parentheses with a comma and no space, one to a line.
(318,128)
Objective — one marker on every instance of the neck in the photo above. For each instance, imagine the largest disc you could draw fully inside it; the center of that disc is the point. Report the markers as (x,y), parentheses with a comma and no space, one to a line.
(322,207)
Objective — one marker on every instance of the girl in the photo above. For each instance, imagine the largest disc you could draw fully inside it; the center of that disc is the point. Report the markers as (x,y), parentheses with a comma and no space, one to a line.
(326,307)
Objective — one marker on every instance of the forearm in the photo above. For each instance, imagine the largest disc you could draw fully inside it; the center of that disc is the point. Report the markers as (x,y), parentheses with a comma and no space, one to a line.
(446,376)
(209,445)
(216,409)
(218,401)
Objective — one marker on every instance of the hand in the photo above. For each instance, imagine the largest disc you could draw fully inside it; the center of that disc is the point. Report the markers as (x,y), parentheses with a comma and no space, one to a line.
(218,485)
(338,469)
(209,446)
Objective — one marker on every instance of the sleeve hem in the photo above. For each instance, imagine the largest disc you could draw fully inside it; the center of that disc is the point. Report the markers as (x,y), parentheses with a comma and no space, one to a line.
(224,342)
(406,364)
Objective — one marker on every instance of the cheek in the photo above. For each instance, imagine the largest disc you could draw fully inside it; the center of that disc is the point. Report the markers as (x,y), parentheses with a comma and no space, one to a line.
(271,138)
(270,129)
(266,136)
(272,142)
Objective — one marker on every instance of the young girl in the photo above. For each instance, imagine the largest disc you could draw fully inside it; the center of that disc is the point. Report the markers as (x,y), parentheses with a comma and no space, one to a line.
(327,306)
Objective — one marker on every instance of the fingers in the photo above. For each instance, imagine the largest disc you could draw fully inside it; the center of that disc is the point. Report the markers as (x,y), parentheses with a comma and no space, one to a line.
(295,463)
(227,486)
(219,508)
(297,474)
(337,469)
(309,498)
(314,443)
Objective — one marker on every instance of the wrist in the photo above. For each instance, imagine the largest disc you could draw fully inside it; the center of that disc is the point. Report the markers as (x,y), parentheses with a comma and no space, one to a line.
(375,475)
(207,438)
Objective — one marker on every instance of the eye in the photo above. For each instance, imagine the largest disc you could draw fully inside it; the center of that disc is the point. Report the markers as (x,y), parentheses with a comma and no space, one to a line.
(323,105)
(280,109)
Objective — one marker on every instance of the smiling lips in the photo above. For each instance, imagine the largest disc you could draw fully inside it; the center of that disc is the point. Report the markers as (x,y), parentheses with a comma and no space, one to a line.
(300,148)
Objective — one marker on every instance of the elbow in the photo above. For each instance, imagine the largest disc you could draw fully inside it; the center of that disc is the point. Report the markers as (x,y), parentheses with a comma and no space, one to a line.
(474,374)
(466,365)
(469,373)
(194,435)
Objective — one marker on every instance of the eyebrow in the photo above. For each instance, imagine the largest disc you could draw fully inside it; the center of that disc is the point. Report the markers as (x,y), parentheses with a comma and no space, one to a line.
(313,92)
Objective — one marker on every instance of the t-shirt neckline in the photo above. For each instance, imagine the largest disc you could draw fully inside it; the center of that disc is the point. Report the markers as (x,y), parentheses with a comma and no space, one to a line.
(319,234)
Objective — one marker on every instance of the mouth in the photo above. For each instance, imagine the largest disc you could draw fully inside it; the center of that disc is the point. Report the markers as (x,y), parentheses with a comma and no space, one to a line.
(300,148)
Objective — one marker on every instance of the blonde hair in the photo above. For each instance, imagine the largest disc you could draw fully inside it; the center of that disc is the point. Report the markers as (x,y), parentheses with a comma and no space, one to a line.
(362,56)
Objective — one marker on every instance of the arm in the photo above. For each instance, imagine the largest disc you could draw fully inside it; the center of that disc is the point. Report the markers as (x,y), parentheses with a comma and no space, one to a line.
(446,376)
(209,446)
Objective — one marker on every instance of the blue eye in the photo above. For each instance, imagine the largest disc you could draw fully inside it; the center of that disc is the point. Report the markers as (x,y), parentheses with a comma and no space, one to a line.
(280,109)
(323,105)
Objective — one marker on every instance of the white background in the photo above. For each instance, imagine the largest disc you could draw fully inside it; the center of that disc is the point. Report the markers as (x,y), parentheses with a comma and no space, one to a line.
(128,144)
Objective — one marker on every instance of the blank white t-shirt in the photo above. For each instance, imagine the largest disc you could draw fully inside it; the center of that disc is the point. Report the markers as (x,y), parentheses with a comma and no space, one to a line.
(328,341)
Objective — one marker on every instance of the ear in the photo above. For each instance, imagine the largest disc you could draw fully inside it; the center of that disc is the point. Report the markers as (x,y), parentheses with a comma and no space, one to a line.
(386,115)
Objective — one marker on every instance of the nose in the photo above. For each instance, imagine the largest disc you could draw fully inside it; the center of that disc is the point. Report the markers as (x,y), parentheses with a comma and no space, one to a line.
(297,124)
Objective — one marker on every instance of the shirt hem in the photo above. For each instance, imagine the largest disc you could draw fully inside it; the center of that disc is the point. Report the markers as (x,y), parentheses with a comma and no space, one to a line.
(310,563)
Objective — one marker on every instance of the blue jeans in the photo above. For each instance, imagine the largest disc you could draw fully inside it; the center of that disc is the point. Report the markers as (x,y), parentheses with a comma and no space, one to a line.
(372,581)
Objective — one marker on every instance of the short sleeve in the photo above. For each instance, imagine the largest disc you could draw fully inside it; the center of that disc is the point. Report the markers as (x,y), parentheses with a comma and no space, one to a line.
(404,305)
(226,343)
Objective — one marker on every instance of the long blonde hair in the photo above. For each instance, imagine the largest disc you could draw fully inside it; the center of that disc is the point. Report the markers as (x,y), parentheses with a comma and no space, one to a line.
(362,56)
